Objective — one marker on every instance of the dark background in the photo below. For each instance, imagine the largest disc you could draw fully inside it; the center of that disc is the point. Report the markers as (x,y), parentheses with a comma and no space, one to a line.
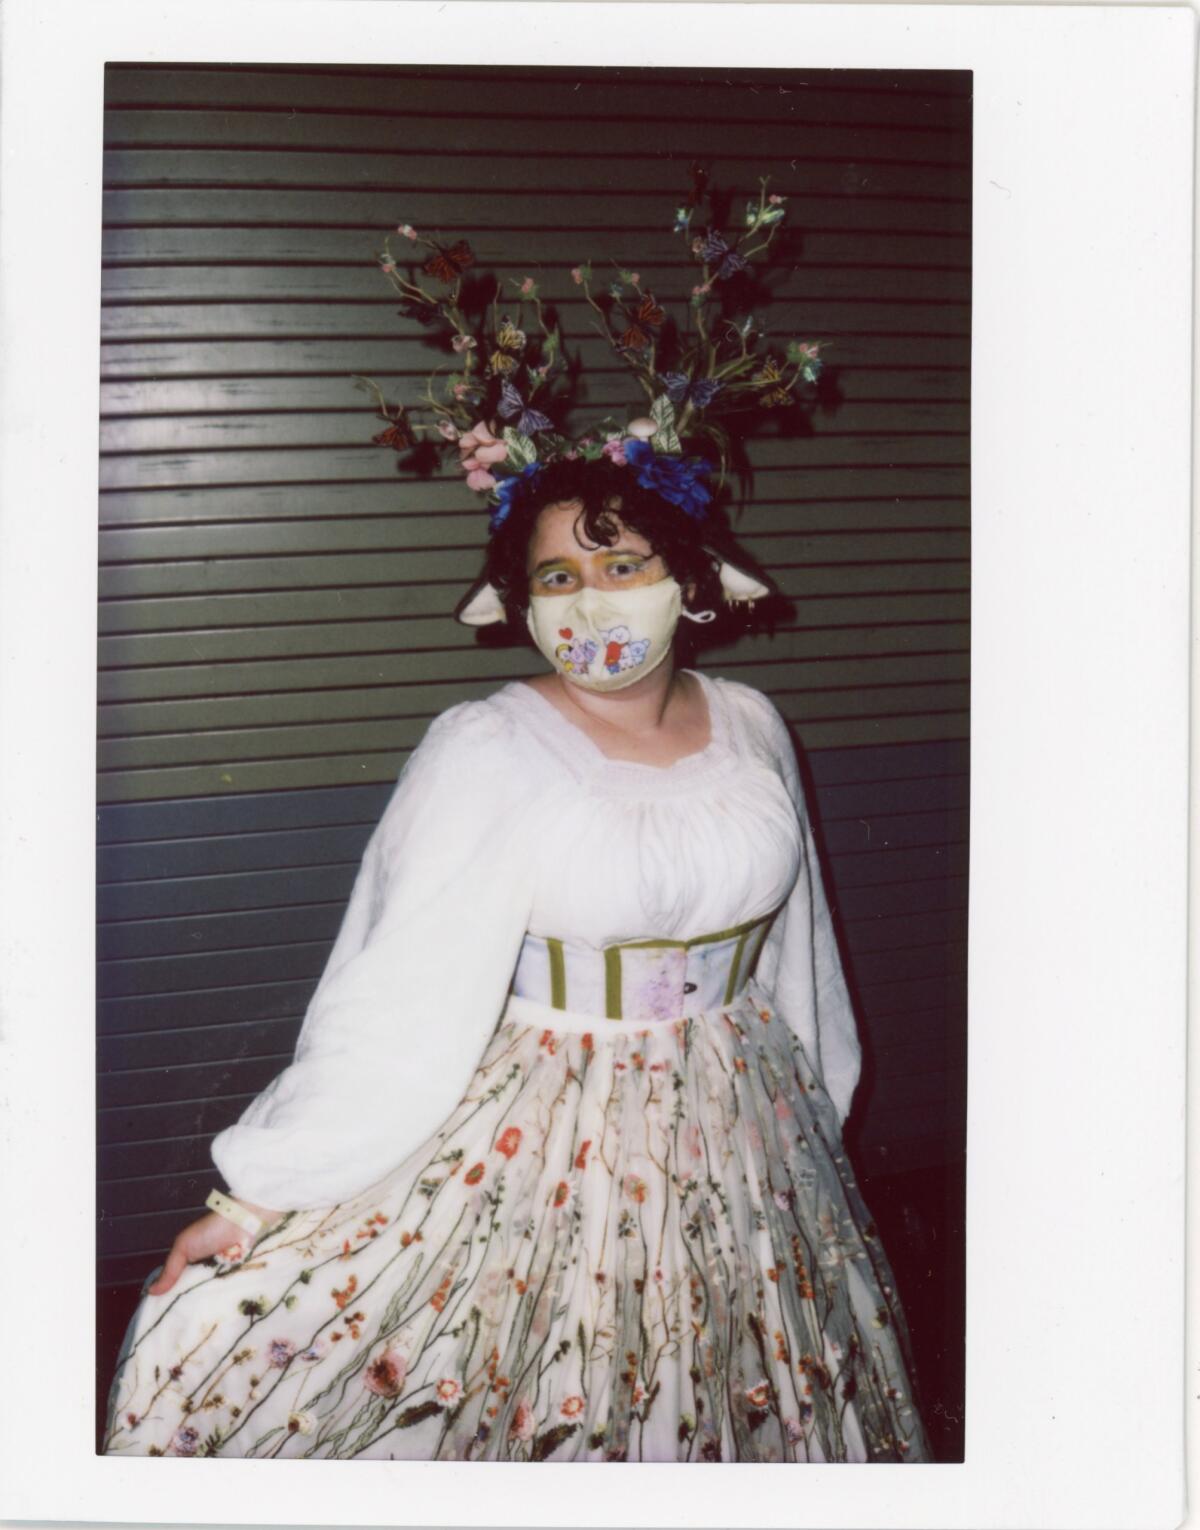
(275,595)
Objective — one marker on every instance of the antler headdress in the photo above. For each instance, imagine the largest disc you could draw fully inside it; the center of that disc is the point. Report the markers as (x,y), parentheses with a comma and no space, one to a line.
(510,368)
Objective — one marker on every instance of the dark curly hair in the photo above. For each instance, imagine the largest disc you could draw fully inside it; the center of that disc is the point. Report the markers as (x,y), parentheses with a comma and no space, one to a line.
(611,497)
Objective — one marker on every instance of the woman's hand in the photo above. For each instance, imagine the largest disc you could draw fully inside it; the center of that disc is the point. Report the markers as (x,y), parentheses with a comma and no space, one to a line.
(208,1235)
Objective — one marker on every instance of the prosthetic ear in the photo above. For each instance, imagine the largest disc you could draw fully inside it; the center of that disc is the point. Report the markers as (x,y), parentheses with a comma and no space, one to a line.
(482,609)
(739,586)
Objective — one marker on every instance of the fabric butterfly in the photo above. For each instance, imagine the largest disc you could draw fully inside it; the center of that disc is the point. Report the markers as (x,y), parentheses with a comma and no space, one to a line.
(634,339)
(680,388)
(501,363)
(447,265)
(398,435)
(770,373)
(509,337)
(513,405)
(715,248)
(650,312)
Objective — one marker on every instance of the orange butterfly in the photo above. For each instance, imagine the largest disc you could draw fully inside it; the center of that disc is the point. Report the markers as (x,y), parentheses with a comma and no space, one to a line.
(650,312)
(447,265)
(634,339)
(398,435)
(770,373)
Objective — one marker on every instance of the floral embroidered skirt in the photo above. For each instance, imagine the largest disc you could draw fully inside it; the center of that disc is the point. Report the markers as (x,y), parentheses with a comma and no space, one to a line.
(624,1244)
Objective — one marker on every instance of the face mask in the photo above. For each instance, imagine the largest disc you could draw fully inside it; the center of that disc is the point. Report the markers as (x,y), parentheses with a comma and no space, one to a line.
(605,640)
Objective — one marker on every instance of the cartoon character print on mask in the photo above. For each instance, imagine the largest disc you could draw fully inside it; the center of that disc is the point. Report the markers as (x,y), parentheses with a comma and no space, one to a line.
(621,652)
(575,654)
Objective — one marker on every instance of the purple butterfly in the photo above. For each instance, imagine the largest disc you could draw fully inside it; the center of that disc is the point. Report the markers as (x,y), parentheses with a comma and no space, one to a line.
(714,249)
(679,387)
(512,405)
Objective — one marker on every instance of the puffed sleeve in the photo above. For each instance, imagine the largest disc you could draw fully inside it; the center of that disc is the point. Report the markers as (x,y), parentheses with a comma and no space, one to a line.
(800,969)
(415,982)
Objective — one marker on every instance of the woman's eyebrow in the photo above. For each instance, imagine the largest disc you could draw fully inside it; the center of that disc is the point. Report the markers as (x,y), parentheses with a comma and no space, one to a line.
(553,563)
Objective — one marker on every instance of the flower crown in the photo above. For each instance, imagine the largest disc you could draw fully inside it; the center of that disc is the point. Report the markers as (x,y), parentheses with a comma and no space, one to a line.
(695,377)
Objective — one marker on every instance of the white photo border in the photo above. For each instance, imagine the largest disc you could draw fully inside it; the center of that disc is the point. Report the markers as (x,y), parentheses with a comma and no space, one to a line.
(1081,421)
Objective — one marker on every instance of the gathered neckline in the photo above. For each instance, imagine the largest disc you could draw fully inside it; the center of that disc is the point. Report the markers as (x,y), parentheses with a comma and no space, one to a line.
(585,748)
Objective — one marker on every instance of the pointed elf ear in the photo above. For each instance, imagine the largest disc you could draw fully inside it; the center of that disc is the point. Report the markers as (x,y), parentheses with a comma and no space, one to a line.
(482,609)
(739,586)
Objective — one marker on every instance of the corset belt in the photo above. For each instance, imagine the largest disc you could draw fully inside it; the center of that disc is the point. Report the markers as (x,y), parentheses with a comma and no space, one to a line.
(640,980)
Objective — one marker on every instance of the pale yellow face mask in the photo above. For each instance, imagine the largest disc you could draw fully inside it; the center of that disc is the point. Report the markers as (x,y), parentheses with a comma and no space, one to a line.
(605,640)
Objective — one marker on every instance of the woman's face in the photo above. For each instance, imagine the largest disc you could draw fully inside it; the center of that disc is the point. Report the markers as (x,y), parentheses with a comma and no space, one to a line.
(561,561)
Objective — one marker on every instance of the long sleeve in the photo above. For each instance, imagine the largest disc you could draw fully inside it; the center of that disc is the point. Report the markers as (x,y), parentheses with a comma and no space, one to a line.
(800,968)
(414,984)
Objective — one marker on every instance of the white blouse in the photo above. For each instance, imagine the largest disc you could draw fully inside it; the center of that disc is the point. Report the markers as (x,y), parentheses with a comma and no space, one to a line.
(509,819)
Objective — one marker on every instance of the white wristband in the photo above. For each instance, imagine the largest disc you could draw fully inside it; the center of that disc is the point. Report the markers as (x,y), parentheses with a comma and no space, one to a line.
(233,1212)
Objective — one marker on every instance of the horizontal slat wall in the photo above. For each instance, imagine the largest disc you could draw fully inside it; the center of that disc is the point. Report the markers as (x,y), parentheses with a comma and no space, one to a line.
(274,596)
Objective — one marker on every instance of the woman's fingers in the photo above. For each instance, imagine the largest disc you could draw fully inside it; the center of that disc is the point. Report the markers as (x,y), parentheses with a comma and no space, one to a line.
(176,1264)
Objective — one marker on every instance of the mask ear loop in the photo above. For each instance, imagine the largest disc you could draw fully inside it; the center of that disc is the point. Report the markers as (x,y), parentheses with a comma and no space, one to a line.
(699,616)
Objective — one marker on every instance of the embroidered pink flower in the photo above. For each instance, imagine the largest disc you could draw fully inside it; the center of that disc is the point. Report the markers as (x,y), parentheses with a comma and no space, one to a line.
(185,1441)
(635,1188)
(447,1391)
(510,1141)
(759,1396)
(572,1406)
(693,1140)
(522,1426)
(614,448)
(407,230)
(795,1432)
(385,1376)
(279,1352)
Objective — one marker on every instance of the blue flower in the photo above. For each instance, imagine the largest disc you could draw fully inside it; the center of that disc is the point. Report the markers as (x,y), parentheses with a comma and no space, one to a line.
(508,490)
(675,479)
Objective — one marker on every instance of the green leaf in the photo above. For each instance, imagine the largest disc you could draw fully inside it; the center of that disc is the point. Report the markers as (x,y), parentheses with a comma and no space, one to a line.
(521,450)
(417,1415)
(546,1444)
(666,437)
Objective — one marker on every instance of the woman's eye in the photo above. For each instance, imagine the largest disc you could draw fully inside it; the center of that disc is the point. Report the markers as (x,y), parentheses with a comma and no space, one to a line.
(623,570)
(556,579)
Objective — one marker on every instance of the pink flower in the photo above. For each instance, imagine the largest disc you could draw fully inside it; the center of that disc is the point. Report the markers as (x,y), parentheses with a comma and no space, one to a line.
(407,230)
(794,1432)
(702,289)
(758,1396)
(479,479)
(385,1376)
(693,1140)
(577,275)
(775,199)
(782,1109)
(572,1406)
(461,390)
(387,263)
(527,286)
(616,450)
(447,1391)
(480,448)
(448,430)
(523,1422)
(635,1188)
(461,343)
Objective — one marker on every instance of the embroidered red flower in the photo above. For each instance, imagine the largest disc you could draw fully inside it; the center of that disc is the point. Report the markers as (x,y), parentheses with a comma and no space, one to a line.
(474,1174)
(572,1406)
(585,1041)
(510,1141)
(561,1193)
(581,1156)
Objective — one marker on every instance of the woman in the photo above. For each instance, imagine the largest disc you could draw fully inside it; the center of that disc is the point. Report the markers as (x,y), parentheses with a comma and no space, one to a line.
(557,1170)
